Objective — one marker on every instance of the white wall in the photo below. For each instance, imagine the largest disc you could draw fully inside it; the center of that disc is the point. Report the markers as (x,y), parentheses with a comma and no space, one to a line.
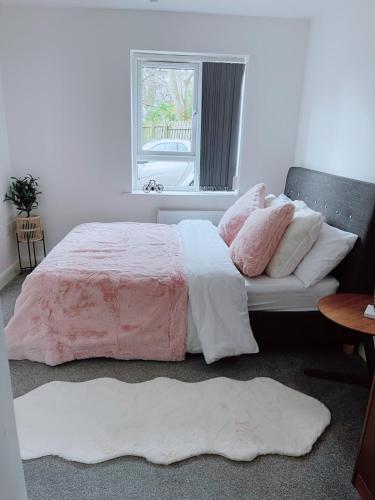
(67,93)
(337,126)
(8,255)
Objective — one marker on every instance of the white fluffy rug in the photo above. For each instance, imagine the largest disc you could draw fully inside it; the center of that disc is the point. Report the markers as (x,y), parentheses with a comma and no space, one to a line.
(165,420)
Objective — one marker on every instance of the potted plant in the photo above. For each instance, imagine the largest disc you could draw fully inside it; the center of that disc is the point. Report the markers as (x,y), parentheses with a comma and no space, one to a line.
(23,193)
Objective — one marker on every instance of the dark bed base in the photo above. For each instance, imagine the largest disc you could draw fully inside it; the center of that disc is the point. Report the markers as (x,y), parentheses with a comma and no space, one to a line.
(279,328)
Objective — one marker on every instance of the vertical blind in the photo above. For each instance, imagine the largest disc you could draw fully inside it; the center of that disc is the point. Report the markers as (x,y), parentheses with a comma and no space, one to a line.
(221,103)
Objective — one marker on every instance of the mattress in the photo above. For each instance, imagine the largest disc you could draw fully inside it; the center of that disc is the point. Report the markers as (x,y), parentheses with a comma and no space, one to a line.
(286,294)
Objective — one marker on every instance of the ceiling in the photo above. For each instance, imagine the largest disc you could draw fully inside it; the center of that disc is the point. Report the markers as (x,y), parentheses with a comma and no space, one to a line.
(262,8)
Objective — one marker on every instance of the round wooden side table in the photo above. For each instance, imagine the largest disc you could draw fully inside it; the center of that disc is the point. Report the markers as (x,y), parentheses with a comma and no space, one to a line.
(346,309)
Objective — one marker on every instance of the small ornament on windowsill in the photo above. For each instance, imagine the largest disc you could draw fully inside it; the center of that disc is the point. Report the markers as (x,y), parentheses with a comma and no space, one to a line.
(153,187)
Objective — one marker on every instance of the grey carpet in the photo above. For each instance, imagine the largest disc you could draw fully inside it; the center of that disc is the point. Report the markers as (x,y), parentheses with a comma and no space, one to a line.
(323,474)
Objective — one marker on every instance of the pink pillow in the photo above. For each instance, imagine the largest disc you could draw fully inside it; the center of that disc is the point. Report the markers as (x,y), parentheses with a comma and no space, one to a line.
(259,237)
(236,215)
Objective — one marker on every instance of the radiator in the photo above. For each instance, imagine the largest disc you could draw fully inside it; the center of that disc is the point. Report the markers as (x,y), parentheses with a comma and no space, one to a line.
(174,216)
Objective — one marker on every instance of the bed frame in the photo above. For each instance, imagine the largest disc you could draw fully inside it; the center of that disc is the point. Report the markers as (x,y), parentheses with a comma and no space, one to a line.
(349,205)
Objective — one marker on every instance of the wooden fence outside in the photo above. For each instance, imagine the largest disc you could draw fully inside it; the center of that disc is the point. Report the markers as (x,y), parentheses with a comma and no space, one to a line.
(168,130)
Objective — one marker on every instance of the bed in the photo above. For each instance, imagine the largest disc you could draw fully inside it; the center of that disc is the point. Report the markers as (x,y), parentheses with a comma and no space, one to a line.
(156,291)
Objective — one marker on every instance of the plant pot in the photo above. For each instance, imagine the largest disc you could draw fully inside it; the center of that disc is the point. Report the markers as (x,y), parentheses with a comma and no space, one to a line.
(29,228)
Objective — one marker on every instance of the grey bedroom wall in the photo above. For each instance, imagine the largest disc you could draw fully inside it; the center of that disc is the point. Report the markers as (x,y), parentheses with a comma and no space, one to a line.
(66,78)
(337,125)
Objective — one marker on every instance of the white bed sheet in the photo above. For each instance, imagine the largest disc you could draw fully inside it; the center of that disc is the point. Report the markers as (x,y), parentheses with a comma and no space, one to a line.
(286,294)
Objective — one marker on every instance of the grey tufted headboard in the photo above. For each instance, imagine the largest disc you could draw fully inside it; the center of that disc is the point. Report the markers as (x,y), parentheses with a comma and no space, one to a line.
(349,205)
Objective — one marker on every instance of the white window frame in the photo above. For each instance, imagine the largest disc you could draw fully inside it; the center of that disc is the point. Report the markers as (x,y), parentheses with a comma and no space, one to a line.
(137,57)
(139,60)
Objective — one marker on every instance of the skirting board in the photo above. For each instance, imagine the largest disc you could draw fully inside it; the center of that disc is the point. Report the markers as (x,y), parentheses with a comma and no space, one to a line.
(8,274)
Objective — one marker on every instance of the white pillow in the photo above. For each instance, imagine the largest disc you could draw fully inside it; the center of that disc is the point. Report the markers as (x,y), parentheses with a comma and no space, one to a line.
(298,239)
(272,200)
(330,249)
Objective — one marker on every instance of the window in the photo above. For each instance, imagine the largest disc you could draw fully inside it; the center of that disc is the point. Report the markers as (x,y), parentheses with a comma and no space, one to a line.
(186,114)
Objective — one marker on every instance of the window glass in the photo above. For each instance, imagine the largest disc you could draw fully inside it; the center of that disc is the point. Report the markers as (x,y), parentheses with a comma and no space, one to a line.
(167,96)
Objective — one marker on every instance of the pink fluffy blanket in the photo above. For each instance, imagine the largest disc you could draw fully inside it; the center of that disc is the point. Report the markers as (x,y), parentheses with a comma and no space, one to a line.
(114,290)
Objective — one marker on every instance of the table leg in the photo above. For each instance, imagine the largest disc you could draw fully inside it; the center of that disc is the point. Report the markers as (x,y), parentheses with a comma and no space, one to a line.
(351,378)
(28,247)
(34,254)
(19,253)
(44,245)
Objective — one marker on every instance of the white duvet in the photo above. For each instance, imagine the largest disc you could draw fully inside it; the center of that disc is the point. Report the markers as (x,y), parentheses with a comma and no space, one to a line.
(218,318)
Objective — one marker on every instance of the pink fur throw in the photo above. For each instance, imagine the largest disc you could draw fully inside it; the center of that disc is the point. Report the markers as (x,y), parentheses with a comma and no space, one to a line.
(236,215)
(106,290)
(259,237)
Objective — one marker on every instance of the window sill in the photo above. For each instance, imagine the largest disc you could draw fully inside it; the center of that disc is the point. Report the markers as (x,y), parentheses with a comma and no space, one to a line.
(184,193)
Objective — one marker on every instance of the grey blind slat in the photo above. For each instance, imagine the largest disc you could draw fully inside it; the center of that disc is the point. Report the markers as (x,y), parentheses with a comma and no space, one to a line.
(221,100)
